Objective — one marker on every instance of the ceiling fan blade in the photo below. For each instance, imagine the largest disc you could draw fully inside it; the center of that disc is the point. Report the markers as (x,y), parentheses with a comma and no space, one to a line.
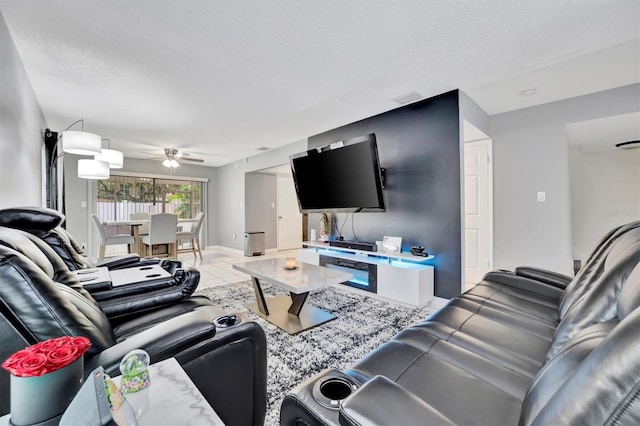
(194,160)
(153,153)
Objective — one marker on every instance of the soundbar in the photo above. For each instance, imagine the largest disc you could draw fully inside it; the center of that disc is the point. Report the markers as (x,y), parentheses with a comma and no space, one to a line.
(353,245)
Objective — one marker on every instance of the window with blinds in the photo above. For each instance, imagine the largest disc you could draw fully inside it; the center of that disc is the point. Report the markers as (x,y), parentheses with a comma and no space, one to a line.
(119,196)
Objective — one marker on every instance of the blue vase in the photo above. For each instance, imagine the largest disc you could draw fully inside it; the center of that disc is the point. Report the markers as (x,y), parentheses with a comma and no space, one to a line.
(44,398)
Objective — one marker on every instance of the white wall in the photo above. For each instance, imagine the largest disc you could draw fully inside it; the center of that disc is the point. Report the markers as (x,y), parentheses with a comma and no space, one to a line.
(605,193)
(21,127)
(471,112)
(231,191)
(531,153)
(261,199)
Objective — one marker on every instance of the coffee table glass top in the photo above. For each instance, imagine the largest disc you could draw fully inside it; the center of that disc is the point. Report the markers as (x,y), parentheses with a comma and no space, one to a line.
(304,278)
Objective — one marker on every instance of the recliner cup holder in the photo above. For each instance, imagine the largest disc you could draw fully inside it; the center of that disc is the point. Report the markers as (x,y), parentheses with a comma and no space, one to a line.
(330,390)
(226,321)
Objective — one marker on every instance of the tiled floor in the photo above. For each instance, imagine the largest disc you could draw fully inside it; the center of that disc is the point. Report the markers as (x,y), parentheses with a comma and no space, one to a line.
(216,266)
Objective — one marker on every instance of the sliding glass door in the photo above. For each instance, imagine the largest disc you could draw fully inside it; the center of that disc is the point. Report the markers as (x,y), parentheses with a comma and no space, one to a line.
(119,196)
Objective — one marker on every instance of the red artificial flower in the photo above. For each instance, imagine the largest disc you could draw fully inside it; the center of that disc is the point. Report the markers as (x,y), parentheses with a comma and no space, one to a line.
(46,357)
(63,355)
(34,364)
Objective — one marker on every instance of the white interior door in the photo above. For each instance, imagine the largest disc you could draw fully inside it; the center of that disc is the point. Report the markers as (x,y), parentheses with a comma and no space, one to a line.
(478,206)
(289,216)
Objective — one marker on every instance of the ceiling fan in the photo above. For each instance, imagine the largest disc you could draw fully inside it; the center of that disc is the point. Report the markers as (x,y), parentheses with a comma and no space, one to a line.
(173,157)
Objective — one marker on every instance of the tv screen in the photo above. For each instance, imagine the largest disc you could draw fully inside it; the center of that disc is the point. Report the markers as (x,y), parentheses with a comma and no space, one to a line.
(340,179)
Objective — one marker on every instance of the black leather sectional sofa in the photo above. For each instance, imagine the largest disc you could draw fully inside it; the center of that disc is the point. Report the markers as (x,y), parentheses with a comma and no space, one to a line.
(528,347)
(41,298)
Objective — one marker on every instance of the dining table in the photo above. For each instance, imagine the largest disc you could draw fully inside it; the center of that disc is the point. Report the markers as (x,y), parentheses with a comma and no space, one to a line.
(135,229)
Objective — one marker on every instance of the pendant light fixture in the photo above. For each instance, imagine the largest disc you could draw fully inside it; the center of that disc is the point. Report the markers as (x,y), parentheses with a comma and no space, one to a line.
(628,145)
(80,143)
(93,169)
(111,156)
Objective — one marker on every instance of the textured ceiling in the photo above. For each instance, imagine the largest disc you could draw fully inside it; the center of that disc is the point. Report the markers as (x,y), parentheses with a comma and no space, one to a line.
(222,78)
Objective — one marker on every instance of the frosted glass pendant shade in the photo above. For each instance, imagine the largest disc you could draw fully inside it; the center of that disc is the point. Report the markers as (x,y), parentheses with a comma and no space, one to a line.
(171,163)
(93,169)
(81,143)
(111,156)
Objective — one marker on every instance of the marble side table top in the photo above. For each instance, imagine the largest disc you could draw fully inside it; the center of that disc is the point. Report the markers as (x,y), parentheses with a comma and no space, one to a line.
(171,399)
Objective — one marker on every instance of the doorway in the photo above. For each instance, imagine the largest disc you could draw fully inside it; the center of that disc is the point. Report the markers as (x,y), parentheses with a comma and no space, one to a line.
(289,216)
(478,209)
(272,206)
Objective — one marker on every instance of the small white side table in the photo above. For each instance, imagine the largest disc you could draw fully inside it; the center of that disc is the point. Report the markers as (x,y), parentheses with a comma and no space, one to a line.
(171,399)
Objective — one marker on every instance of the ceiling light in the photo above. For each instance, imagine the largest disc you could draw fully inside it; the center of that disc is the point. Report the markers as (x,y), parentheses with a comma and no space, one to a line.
(529,92)
(80,143)
(628,145)
(171,163)
(93,169)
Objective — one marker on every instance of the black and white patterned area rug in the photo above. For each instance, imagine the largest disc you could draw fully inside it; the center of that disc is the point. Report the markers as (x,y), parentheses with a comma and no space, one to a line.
(363,323)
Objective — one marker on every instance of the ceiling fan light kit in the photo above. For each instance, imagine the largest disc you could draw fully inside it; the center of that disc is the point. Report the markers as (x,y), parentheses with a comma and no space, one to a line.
(172,155)
(171,163)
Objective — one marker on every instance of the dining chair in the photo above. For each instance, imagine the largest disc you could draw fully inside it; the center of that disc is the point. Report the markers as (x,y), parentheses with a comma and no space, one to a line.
(163,228)
(144,228)
(107,240)
(193,235)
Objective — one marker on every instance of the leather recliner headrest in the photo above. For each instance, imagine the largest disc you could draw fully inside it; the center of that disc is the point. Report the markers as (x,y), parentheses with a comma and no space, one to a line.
(629,297)
(31,218)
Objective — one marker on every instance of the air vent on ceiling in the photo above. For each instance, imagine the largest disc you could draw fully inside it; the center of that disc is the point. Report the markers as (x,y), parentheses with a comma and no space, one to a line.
(263,148)
(407,98)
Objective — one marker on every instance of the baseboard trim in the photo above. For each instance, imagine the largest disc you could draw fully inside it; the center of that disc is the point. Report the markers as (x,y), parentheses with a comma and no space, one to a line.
(227,249)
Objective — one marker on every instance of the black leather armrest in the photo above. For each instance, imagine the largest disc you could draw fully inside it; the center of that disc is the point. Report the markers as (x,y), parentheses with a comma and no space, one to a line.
(99,286)
(136,298)
(119,261)
(383,402)
(516,281)
(548,277)
(161,342)
(183,282)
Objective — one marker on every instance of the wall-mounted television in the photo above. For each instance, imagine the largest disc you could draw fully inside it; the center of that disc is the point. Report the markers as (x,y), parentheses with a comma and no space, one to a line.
(341,177)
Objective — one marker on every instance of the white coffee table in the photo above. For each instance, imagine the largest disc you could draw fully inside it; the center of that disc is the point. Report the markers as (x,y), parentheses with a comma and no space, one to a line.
(290,312)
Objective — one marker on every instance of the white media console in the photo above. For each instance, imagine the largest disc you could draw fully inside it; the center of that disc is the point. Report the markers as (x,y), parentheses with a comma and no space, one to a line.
(396,276)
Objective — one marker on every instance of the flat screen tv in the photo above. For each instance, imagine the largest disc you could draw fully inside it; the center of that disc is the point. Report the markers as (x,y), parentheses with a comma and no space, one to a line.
(344,178)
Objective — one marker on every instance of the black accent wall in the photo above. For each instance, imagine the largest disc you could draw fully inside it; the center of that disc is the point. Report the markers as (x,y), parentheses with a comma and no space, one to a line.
(419,146)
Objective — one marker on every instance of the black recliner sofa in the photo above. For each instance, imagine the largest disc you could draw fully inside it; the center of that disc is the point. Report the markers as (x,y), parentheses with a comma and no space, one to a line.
(46,224)
(532,349)
(117,306)
(226,359)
